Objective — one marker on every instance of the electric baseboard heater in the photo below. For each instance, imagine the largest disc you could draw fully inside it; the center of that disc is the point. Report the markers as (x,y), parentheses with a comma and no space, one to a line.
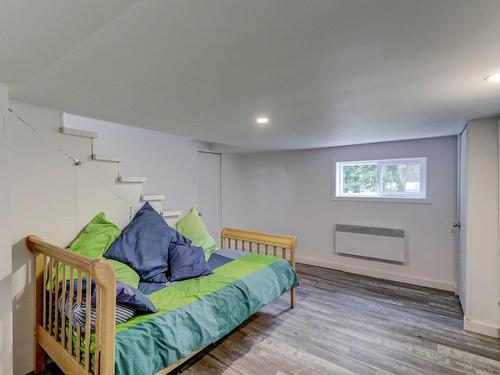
(371,242)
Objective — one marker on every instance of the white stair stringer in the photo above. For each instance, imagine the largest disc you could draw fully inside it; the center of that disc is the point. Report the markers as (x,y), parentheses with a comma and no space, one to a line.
(78,132)
(123,198)
(155,200)
(130,180)
(97,191)
(171,213)
(77,147)
(106,158)
(152,197)
(171,216)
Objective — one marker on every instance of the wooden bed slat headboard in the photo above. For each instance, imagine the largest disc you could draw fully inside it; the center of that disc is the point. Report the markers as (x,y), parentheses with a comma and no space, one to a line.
(263,238)
(52,264)
(287,244)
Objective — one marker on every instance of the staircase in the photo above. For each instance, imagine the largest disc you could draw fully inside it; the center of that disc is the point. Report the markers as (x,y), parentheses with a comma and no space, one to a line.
(126,188)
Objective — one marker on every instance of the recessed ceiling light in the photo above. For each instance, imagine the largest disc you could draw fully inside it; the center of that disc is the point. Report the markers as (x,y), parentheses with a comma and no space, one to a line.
(262,120)
(493,78)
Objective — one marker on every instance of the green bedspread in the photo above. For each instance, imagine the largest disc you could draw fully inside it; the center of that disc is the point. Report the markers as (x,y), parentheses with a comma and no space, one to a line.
(197,312)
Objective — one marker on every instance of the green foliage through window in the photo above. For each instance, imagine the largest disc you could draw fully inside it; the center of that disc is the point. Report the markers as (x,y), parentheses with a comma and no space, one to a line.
(401,178)
(382,178)
(360,178)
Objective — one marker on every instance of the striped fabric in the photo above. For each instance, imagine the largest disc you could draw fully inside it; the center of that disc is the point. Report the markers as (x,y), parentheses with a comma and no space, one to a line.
(78,312)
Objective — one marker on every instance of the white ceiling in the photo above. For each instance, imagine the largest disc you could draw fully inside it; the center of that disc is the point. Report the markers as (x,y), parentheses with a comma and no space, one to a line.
(327,72)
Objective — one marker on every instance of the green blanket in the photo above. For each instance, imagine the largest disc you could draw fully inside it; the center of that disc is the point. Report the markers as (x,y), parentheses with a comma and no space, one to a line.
(198,312)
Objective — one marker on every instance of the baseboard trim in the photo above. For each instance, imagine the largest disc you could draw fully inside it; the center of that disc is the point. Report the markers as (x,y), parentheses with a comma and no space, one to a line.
(381,275)
(482,328)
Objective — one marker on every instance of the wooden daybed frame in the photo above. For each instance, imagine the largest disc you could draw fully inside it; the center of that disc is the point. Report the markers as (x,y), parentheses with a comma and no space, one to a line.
(52,342)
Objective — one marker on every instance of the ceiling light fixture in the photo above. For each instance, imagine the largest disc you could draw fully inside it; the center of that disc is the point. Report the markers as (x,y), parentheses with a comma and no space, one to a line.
(262,120)
(493,78)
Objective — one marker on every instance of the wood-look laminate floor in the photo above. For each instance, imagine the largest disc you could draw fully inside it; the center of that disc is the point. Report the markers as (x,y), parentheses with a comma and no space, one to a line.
(351,324)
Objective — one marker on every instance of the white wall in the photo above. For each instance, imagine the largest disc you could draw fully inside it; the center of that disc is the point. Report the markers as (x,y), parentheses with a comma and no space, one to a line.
(54,199)
(290,192)
(168,161)
(482,271)
(5,250)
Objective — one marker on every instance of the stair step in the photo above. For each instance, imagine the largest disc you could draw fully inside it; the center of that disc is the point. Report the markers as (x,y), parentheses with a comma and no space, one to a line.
(152,198)
(107,158)
(78,132)
(130,180)
(171,213)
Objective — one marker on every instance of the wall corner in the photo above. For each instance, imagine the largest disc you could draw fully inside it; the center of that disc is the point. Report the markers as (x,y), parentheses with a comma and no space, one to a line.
(5,241)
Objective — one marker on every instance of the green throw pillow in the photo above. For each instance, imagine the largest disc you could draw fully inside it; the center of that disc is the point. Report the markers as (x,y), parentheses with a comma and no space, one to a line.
(96,237)
(124,273)
(192,227)
(92,241)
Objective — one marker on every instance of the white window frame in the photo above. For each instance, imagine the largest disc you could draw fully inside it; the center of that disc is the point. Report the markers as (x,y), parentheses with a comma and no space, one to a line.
(421,197)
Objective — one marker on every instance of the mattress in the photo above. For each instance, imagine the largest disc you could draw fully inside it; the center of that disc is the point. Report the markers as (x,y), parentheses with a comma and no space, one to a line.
(217,258)
(197,312)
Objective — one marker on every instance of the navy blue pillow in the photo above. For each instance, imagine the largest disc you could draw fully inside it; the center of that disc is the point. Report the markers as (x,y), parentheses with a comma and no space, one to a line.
(186,262)
(177,238)
(129,296)
(125,295)
(143,245)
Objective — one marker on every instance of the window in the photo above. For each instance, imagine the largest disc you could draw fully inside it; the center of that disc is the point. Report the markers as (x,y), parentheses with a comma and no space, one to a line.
(393,178)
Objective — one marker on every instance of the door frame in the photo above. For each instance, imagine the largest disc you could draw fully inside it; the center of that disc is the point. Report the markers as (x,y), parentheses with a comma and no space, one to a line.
(220,184)
(461,231)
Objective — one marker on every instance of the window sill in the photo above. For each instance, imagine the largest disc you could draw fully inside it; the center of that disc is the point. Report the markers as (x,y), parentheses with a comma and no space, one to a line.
(384,200)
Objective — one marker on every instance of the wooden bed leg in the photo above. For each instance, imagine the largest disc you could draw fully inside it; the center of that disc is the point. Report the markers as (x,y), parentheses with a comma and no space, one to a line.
(40,355)
(293,260)
(40,359)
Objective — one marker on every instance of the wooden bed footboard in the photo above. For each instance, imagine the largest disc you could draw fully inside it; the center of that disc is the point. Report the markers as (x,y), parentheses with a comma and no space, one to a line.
(70,345)
(277,245)
(55,334)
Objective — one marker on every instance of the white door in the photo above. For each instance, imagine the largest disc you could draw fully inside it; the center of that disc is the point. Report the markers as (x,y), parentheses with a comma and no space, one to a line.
(462,215)
(209,191)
